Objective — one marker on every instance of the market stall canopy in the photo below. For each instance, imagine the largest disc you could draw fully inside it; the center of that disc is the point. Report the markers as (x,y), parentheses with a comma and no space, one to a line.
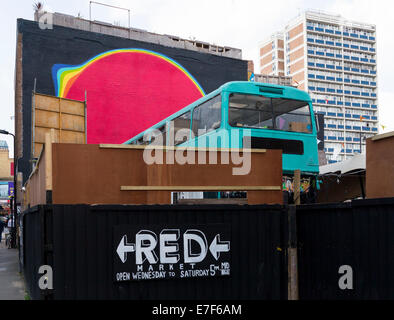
(356,163)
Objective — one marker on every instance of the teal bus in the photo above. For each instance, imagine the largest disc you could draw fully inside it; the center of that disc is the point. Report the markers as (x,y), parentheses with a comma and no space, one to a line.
(271,116)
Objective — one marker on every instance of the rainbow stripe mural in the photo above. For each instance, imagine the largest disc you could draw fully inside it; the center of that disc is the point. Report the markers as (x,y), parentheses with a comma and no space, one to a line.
(128,91)
(64,76)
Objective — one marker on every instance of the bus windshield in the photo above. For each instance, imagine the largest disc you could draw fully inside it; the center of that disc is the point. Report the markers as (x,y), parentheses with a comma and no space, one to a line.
(253,111)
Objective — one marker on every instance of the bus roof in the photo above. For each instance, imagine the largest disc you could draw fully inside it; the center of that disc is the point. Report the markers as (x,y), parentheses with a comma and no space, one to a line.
(247,87)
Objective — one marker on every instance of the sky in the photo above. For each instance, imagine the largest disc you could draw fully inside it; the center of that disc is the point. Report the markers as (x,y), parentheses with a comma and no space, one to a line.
(240,24)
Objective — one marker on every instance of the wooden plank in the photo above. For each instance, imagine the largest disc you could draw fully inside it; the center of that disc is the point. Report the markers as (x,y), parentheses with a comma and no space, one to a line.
(46,119)
(41,132)
(200,188)
(72,107)
(213,201)
(37,149)
(66,116)
(383,136)
(49,137)
(297,187)
(74,123)
(47,102)
(169,148)
(72,137)
(57,130)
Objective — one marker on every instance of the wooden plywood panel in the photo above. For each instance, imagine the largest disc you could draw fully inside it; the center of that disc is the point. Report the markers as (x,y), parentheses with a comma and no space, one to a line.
(380,168)
(72,122)
(40,134)
(47,102)
(72,107)
(46,119)
(66,117)
(37,149)
(72,137)
(89,174)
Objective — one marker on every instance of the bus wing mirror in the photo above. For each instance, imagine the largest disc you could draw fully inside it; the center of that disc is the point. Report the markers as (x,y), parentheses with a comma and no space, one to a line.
(317,122)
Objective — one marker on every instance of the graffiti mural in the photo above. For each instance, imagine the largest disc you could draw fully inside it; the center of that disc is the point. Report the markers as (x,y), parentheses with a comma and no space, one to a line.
(128,91)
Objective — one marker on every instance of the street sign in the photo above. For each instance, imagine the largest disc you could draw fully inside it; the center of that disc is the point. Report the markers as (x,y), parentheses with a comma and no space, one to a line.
(171,252)
(10,189)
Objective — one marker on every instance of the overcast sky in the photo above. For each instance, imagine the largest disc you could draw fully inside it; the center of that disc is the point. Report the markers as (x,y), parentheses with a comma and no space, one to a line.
(241,24)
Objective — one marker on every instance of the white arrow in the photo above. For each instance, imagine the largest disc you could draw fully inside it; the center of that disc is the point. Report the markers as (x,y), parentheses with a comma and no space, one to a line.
(218,246)
(123,248)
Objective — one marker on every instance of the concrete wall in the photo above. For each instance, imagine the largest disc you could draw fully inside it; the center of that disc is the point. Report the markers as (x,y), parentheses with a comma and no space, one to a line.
(69,21)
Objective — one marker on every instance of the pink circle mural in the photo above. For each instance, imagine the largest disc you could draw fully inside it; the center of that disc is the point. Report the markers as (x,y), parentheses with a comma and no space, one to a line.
(128,91)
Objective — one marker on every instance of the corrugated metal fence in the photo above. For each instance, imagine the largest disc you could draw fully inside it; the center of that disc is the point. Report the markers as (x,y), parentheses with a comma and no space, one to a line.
(359,235)
(78,244)
(77,241)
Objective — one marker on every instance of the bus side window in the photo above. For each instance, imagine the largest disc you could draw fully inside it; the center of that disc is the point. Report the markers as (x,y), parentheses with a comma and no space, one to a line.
(156,137)
(207,116)
(182,123)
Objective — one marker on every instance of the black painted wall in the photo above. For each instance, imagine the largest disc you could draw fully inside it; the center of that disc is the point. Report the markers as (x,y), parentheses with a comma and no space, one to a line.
(44,48)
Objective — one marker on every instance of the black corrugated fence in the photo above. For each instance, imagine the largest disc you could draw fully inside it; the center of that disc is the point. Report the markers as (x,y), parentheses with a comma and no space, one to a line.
(210,251)
(90,249)
(359,235)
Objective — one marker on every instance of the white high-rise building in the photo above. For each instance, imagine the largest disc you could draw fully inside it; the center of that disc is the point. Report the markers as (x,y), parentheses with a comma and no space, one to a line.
(334,59)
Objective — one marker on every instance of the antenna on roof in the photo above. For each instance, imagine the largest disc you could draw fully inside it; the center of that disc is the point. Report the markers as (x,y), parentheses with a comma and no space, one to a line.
(38,6)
